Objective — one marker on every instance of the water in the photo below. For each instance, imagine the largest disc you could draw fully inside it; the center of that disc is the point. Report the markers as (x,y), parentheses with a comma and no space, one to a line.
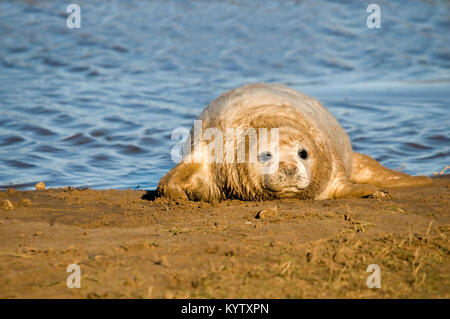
(96,106)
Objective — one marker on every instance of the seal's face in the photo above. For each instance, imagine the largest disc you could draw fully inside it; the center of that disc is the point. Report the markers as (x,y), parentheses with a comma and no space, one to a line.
(290,169)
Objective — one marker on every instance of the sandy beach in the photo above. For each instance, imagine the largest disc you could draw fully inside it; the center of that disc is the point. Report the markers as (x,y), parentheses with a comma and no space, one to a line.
(130,244)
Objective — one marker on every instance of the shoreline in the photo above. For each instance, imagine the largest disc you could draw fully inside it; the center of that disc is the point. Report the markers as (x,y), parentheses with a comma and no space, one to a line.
(130,247)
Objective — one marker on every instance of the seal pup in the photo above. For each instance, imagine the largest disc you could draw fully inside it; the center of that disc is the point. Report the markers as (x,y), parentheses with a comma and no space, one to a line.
(314,155)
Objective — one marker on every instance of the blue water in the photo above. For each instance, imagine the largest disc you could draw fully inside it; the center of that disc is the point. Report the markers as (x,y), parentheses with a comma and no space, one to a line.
(96,106)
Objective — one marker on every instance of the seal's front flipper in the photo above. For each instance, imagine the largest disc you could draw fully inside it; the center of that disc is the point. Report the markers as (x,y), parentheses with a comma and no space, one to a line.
(366,170)
(346,189)
(173,184)
(187,181)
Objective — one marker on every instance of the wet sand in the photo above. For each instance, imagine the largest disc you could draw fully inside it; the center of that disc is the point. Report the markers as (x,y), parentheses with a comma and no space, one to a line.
(130,245)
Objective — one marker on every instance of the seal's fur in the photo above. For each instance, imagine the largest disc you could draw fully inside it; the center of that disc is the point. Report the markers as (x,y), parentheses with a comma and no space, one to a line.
(332,169)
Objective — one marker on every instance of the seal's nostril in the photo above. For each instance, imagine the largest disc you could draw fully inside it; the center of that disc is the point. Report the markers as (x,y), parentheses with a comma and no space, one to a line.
(289,170)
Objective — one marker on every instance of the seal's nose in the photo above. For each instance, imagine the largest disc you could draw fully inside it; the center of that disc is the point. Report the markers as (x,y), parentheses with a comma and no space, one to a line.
(288,169)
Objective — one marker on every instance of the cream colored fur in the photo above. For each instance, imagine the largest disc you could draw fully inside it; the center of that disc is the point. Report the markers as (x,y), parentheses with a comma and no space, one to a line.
(333,169)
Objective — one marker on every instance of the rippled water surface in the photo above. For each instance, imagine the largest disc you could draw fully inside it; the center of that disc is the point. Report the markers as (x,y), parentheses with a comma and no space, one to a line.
(96,106)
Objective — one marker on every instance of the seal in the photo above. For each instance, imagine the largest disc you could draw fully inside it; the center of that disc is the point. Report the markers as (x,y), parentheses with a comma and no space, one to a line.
(312,158)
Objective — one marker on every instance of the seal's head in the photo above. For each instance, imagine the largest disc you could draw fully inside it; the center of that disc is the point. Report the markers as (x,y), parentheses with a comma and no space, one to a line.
(290,168)
(294,166)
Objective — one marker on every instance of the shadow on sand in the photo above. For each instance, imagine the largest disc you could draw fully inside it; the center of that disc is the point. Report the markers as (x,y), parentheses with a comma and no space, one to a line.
(150,195)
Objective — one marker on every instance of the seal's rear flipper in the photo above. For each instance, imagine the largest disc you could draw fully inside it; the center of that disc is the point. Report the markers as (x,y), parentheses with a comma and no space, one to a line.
(366,170)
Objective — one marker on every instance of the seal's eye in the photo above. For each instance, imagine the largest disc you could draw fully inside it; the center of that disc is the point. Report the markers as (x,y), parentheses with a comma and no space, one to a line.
(303,154)
(265,157)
